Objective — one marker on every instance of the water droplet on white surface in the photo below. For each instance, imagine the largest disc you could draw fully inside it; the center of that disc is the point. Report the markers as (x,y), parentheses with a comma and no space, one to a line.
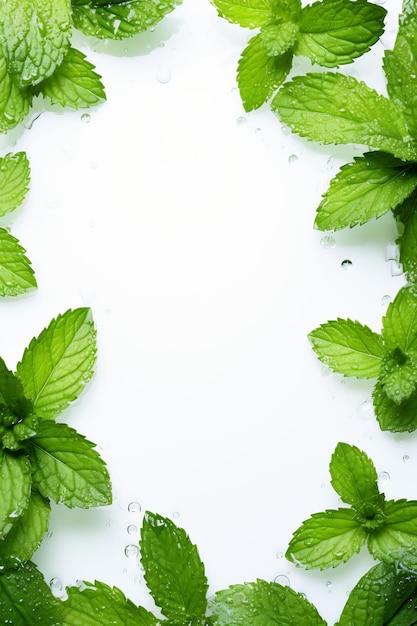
(56,586)
(132,529)
(283,580)
(328,241)
(85,118)
(384,477)
(293,158)
(163,75)
(241,121)
(131,551)
(134,507)
(346,264)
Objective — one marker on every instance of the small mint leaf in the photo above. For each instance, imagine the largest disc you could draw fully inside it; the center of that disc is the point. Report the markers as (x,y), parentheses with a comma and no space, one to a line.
(56,366)
(278,38)
(398,375)
(348,348)
(14,181)
(246,13)
(354,476)
(12,396)
(335,32)
(259,75)
(365,189)
(15,481)
(399,326)
(326,539)
(66,468)
(16,273)
(174,571)
(396,418)
(399,531)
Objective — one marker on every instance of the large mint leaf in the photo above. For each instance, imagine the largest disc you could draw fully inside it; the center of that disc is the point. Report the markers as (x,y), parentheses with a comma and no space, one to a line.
(399,531)
(58,363)
(365,189)
(14,181)
(66,468)
(174,571)
(348,347)
(354,476)
(27,532)
(335,32)
(15,481)
(26,599)
(406,213)
(333,108)
(247,13)
(399,326)
(16,273)
(393,416)
(35,36)
(326,539)
(259,75)
(121,20)
(74,83)
(262,604)
(14,102)
(100,605)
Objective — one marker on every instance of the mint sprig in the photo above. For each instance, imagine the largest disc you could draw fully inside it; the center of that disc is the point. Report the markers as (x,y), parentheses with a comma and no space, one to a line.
(332,537)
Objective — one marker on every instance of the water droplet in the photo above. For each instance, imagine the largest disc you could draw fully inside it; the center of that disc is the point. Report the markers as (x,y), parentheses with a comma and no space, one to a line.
(279,555)
(386,300)
(56,586)
(134,507)
(258,131)
(131,551)
(329,585)
(330,163)
(85,118)
(132,529)
(285,129)
(163,75)
(384,477)
(396,269)
(391,251)
(30,122)
(175,515)
(283,580)
(328,241)
(365,410)
(346,264)
(406,458)
(241,121)
(233,90)
(293,158)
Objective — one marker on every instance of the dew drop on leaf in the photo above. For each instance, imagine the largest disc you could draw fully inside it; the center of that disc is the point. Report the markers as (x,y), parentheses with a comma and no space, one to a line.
(56,586)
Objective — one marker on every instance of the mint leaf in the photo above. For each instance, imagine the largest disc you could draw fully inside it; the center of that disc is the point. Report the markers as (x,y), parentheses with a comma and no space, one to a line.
(247,13)
(25,598)
(354,476)
(399,531)
(365,189)
(333,108)
(16,273)
(14,103)
(278,38)
(11,395)
(57,364)
(35,37)
(392,416)
(121,20)
(74,83)
(27,531)
(14,181)
(348,347)
(101,605)
(15,484)
(262,604)
(335,32)
(66,469)
(259,75)
(399,326)
(326,539)
(406,214)
(398,376)
(174,571)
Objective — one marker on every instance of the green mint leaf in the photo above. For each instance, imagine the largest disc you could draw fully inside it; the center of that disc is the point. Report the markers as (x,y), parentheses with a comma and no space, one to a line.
(247,13)
(392,416)
(399,531)
(14,102)
(35,37)
(398,376)
(379,596)
(11,396)
(174,571)
(260,604)
(100,605)
(14,181)
(259,75)
(333,108)
(399,326)
(57,364)
(16,273)
(66,468)
(121,20)
(406,213)
(365,189)
(26,599)
(15,481)
(354,476)
(348,347)
(326,539)
(335,32)
(27,531)
(278,38)
(74,83)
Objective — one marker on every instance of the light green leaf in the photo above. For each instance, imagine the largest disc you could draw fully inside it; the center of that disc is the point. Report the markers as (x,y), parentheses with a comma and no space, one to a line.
(66,469)
(28,530)
(392,416)
(15,481)
(247,13)
(259,75)
(14,102)
(278,38)
(100,605)
(399,326)
(262,604)
(121,20)
(16,273)
(333,108)
(406,213)
(26,599)
(348,347)
(14,181)
(365,189)
(326,539)
(174,571)
(335,32)
(74,83)
(57,364)
(398,533)
(398,375)
(354,476)
(35,36)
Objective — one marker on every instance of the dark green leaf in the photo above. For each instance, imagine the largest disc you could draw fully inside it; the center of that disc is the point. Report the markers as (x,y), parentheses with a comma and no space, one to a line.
(406,214)
(398,375)
(399,531)
(11,394)
(392,416)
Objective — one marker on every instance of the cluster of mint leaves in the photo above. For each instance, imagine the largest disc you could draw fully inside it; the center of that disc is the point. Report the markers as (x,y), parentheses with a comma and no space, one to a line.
(328,32)
(41,459)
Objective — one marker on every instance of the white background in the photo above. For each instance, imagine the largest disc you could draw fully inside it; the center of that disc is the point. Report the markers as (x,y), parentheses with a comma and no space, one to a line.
(187,226)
